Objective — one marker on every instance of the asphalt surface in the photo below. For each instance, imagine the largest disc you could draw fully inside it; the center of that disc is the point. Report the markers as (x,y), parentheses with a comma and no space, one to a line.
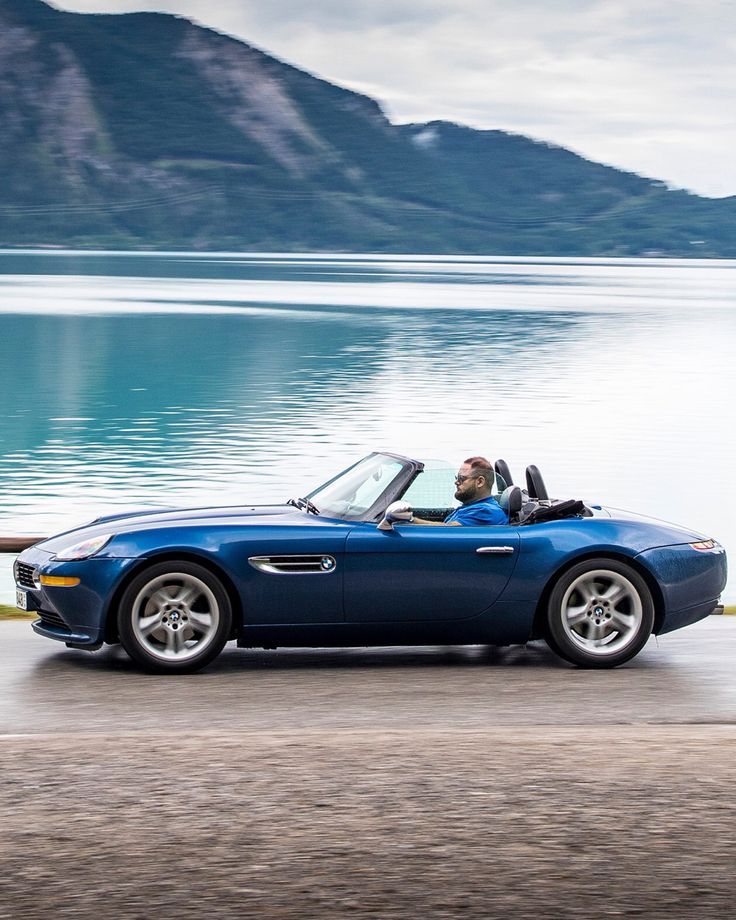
(431,782)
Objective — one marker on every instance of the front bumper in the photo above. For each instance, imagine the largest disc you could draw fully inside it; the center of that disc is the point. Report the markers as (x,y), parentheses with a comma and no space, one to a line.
(91,639)
(74,615)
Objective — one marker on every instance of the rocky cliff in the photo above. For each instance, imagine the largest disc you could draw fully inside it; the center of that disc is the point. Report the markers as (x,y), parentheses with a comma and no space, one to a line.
(146,130)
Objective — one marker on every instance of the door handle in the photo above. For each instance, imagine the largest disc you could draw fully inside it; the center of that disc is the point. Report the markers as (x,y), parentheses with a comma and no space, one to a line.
(496,550)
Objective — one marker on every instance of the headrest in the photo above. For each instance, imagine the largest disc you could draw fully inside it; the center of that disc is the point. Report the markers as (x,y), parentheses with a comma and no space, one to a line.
(535,484)
(502,470)
(510,500)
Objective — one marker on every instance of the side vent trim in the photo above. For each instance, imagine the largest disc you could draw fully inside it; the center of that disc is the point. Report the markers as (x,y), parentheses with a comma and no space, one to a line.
(322,564)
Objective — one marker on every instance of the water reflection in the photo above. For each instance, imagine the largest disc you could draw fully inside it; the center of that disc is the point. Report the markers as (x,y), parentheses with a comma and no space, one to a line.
(139,380)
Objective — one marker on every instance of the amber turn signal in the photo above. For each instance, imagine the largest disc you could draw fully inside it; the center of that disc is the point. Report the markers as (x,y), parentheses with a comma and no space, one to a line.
(58,581)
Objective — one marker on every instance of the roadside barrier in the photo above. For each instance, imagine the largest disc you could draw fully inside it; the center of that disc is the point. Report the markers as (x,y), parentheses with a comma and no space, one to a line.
(17,544)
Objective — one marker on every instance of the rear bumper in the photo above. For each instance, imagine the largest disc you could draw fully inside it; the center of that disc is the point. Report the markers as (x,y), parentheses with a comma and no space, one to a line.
(679,618)
(690,581)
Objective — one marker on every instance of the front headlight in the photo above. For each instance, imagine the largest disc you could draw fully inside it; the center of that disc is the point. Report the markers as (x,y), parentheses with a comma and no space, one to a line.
(85,549)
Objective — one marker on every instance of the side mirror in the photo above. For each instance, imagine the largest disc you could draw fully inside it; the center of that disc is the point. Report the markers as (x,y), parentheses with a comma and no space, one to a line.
(392,516)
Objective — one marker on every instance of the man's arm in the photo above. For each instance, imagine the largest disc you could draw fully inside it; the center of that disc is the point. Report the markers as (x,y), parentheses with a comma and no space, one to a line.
(401,513)
(417,520)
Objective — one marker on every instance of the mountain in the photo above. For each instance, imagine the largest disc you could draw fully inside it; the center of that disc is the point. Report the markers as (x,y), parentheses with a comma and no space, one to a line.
(145,130)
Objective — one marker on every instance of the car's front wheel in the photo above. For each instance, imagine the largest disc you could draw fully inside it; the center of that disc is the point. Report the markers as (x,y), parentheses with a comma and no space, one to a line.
(600,613)
(174,617)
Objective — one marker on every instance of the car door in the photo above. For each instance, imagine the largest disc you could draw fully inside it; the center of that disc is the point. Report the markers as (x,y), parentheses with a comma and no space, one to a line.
(421,572)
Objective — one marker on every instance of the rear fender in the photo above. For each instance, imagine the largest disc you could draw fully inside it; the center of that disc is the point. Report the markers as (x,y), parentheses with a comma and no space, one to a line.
(540,613)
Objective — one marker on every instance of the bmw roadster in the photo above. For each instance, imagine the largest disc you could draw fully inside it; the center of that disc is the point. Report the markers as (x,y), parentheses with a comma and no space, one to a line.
(332,569)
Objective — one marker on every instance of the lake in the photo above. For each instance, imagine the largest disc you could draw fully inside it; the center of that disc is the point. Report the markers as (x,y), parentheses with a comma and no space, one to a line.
(148,380)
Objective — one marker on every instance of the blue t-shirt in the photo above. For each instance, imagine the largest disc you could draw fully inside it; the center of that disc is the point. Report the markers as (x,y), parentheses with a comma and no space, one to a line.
(482,511)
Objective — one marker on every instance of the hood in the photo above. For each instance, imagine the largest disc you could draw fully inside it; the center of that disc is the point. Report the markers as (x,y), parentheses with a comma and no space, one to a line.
(148,520)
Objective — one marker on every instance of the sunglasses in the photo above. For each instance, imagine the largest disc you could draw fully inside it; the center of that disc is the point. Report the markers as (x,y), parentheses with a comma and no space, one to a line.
(461,479)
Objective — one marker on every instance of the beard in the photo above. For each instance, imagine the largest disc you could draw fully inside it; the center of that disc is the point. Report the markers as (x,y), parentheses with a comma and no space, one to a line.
(469,495)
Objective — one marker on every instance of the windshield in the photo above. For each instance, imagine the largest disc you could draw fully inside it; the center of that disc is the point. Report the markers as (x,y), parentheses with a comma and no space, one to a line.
(353,492)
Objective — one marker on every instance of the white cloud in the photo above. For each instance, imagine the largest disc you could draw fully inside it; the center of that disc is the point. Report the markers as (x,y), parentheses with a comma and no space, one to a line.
(647,86)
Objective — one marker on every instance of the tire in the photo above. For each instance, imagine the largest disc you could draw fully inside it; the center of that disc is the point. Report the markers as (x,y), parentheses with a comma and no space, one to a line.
(600,614)
(174,617)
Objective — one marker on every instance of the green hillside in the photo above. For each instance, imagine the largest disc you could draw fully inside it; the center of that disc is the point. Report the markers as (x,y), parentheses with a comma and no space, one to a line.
(144,130)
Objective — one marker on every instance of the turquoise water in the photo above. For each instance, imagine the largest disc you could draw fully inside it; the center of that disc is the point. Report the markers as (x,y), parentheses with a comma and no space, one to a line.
(152,380)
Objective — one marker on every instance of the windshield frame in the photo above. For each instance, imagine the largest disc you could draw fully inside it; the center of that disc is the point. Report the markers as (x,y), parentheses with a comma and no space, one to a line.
(394,490)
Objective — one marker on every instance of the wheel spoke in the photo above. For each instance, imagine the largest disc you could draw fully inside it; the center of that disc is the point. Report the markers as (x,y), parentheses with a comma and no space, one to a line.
(615,593)
(160,598)
(186,595)
(586,588)
(175,642)
(188,632)
(200,622)
(602,631)
(179,641)
(149,624)
(576,615)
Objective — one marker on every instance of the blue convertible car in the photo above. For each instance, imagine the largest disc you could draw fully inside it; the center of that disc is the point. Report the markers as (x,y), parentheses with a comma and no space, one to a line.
(331,570)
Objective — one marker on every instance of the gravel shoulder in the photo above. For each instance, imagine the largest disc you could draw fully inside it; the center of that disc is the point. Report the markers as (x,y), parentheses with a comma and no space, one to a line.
(532,822)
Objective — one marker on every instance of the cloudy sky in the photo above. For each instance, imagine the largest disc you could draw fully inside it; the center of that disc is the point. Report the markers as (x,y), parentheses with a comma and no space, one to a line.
(646,85)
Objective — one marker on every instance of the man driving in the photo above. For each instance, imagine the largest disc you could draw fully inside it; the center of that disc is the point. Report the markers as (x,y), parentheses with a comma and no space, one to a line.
(473,485)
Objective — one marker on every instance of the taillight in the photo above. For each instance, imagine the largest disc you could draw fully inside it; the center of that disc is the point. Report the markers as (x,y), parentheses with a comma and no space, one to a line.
(704,545)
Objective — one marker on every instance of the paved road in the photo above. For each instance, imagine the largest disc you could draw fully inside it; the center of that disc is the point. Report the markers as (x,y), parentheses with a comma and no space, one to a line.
(684,677)
(388,783)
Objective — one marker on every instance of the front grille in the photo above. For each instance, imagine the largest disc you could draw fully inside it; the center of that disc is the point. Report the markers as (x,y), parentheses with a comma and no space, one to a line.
(52,619)
(24,575)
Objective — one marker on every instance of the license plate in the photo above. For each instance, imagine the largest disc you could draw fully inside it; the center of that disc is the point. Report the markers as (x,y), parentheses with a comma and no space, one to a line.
(21,600)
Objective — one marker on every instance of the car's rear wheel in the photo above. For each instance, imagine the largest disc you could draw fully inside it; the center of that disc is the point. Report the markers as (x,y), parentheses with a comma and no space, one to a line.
(174,617)
(600,613)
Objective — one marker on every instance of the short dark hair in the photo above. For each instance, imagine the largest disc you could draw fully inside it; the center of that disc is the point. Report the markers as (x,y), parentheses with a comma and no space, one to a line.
(479,466)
